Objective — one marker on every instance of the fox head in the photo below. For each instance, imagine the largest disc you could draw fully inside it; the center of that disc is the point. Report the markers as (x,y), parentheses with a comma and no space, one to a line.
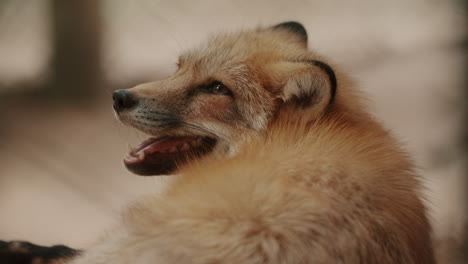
(224,94)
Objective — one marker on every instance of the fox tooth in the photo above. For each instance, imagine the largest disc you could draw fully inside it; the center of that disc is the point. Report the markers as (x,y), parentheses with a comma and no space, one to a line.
(173,149)
(130,149)
(141,155)
(194,143)
(185,146)
(198,141)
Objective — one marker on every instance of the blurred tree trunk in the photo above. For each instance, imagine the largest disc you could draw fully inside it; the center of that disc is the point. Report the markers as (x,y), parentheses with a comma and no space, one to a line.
(465,127)
(76,44)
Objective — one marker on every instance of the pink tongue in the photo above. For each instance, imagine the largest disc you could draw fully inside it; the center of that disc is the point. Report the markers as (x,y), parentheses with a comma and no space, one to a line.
(165,144)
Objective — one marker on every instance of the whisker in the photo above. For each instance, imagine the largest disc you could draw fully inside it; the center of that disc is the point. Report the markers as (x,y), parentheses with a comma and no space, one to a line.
(168,122)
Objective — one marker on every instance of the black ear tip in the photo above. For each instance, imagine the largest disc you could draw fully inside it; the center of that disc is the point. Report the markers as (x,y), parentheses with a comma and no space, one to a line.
(294,27)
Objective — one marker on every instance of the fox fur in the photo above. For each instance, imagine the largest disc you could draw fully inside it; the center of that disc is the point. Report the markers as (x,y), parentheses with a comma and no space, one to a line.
(304,176)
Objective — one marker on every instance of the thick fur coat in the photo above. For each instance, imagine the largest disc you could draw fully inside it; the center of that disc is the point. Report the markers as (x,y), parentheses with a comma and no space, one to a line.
(300,173)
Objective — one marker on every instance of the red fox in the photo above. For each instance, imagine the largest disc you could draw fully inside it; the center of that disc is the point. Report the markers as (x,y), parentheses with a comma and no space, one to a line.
(279,162)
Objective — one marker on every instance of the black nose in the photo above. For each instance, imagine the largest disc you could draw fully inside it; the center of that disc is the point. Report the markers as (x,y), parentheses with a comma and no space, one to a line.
(123,99)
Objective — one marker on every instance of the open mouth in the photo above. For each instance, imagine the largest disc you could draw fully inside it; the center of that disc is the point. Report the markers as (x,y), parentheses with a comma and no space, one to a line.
(162,155)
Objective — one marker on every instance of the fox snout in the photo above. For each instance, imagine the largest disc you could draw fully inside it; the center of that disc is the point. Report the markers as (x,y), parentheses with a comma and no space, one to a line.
(175,134)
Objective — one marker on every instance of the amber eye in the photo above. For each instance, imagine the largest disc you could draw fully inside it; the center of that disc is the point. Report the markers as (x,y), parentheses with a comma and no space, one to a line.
(217,88)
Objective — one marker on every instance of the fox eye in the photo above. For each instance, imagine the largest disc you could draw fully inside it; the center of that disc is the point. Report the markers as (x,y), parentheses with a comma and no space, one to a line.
(217,88)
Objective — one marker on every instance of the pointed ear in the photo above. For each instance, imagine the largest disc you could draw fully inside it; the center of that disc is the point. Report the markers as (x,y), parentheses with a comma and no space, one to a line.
(293,27)
(306,84)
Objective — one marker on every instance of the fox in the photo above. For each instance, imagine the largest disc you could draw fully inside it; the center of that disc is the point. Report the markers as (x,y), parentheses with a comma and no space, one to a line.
(276,159)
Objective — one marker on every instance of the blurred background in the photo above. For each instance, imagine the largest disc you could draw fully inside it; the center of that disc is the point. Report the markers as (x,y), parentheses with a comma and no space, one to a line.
(61,174)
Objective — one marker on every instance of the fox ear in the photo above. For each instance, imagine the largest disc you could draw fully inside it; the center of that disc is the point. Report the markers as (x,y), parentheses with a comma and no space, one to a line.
(293,27)
(307,84)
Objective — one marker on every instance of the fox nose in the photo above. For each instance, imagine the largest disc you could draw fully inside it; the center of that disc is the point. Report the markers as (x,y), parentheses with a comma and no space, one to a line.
(123,99)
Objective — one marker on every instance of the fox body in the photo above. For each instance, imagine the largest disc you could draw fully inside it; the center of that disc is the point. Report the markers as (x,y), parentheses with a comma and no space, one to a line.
(280,162)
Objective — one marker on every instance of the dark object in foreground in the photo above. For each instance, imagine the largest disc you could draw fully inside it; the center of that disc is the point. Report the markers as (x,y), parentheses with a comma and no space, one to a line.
(21,252)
